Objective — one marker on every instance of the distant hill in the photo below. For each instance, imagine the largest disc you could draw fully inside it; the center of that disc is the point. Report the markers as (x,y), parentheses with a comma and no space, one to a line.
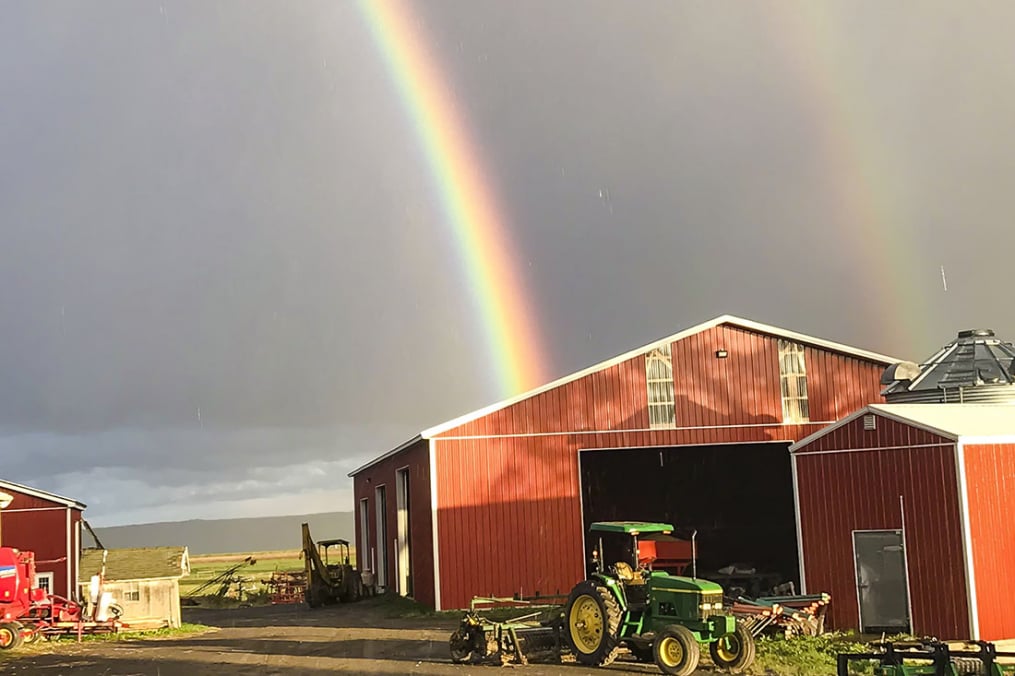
(227,536)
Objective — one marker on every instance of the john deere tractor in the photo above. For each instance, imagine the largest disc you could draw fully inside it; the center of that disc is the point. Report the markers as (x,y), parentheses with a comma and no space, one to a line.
(659,617)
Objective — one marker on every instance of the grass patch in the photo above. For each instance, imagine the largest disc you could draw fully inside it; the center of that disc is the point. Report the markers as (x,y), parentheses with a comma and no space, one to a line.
(812,655)
(185,629)
(803,655)
(43,646)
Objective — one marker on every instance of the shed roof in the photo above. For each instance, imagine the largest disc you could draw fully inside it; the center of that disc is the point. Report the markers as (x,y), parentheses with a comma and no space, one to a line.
(730,320)
(43,495)
(137,563)
(952,421)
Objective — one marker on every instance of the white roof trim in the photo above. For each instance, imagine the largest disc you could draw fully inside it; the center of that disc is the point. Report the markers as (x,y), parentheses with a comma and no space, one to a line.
(722,319)
(398,449)
(890,412)
(43,495)
(968,439)
(826,430)
(732,320)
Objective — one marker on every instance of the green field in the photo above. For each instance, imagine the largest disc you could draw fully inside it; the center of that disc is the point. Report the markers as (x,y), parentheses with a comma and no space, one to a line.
(207,567)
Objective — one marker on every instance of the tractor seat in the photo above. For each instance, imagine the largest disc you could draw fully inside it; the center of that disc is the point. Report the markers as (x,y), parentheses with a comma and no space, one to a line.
(624,571)
(627,574)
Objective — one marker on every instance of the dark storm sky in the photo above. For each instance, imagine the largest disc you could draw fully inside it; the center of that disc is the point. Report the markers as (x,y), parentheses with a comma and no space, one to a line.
(225,278)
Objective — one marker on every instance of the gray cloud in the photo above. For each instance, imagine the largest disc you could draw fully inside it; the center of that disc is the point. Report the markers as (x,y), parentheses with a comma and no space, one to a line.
(224,208)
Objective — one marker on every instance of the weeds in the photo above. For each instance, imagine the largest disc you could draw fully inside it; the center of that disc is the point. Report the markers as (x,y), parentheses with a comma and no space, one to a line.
(807,655)
(185,629)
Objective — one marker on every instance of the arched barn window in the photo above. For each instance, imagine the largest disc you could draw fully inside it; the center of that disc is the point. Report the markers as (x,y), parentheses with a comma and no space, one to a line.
(659,377)
(793,379)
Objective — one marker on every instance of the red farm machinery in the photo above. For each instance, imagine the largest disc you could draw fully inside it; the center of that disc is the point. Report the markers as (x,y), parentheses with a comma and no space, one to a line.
(28,613)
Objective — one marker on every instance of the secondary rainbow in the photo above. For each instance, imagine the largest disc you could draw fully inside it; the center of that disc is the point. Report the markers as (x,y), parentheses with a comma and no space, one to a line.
(473,215)
(865,176)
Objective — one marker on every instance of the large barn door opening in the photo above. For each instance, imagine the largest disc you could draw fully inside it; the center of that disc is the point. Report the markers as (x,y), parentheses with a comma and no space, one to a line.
(381,503)
(403,525)
(881,584)
(738,497)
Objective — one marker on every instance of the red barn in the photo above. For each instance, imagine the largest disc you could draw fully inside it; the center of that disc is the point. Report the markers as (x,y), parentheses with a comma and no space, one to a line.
(50,526)
(906,515)
(693,429)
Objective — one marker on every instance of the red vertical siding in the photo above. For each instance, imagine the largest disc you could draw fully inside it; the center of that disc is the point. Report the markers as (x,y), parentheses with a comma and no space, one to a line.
(508,506)
(417,458)
(990,485)
(739,391)
(511,476)
(840,492)
(507,510)
(41,526)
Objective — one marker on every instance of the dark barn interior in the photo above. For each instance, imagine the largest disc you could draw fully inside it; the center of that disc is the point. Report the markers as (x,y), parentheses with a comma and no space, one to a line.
(739,498)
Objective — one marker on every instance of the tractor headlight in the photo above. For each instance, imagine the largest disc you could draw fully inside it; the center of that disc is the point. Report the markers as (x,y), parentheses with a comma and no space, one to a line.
(706,606)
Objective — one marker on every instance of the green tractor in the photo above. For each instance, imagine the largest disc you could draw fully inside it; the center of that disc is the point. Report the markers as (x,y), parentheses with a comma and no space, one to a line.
(659,617)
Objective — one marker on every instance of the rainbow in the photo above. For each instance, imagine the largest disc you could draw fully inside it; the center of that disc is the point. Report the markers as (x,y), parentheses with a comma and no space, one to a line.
(863,175)
(472,214)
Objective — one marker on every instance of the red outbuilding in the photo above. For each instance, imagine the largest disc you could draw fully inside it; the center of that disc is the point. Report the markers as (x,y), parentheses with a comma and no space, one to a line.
(50,526)
(693,429)
(906,515)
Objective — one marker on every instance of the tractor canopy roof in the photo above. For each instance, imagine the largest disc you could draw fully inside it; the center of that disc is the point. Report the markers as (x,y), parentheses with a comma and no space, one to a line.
(329,543)
(631,527)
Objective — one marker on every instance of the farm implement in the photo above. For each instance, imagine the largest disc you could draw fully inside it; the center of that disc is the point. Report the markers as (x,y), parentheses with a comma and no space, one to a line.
(286,586)
(28,613)
(328,576)
(802,615)
(481,640)
(622,605)
(929,657)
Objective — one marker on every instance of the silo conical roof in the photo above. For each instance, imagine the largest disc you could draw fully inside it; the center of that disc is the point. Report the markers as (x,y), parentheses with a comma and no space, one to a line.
(975,367)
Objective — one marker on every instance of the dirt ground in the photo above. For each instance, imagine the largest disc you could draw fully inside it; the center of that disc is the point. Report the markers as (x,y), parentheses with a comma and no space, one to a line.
(358,638)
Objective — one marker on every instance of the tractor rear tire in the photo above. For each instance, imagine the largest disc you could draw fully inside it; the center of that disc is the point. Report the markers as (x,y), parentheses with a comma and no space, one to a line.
(734,652)
(593,624)
(676,650)
(10,635)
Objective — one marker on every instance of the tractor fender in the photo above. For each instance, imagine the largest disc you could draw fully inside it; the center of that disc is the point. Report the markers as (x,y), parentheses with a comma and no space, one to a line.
(615,587)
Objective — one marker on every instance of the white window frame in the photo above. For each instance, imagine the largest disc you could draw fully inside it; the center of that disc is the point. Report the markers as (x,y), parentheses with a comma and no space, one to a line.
(49,577)
(661,410)
(793,382)
(363,559)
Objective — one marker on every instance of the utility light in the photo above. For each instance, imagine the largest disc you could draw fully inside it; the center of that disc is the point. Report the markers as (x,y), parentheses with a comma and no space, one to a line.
(721,353)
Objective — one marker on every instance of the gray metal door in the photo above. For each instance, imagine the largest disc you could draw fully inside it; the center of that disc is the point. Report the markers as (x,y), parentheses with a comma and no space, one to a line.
(882,587)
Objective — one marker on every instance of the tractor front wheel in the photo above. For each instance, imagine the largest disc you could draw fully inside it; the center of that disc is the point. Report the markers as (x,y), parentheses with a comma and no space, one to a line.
(593,624)
(676,650)
(734,652)
(10,635)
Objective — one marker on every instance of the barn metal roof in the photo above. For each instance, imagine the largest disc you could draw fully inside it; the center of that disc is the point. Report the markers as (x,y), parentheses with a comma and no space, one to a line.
(952,421)
(43,495)
(975,367)
(731,320)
